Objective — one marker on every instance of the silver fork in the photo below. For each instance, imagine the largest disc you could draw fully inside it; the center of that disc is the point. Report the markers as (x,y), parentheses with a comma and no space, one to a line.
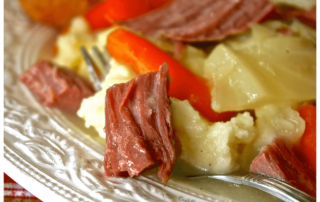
(273,186)
(96,74)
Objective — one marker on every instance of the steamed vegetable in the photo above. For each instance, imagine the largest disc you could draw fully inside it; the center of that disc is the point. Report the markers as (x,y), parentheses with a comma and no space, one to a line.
(103,15)
(211,147)
(308,142)
(143,57)
(261,68)
(302,4)
(193,58)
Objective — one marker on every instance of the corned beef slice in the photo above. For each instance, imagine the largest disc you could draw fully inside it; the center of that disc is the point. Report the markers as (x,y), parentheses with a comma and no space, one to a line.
(138,126)
(205,20)
(55,86)
(279,160)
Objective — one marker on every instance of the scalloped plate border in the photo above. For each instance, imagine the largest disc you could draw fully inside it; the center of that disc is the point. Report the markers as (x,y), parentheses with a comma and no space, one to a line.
(15,167)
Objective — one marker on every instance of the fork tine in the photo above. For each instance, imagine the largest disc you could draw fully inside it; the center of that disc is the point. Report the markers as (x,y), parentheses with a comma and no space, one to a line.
(106,53)
(93,70)
(102,59)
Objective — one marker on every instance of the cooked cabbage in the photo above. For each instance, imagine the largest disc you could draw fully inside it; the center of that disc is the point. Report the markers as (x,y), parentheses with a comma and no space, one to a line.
(192,58)
(264,67)
(302,4)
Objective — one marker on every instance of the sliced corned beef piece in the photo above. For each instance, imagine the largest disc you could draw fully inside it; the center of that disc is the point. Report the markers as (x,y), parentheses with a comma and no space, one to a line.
(55,86)
(138,126)
(205,20)
(280,161)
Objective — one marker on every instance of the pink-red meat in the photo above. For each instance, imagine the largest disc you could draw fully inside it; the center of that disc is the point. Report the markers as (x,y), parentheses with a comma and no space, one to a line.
(138,126)
(308,17)
(280,161)
(55,86)
(205,20)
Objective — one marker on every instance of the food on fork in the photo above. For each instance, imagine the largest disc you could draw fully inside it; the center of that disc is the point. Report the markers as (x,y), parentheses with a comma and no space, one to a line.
(55,86)
(138,126)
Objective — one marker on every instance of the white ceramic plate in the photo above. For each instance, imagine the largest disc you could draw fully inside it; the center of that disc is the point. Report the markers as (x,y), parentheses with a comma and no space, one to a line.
(55,157)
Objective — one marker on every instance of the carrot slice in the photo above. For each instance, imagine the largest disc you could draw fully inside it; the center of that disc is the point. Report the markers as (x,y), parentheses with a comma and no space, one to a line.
(103,15)
(308,142)
(140,54)
(97,17)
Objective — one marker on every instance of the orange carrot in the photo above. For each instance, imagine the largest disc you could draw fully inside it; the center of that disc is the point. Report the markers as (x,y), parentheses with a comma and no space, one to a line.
(128,48)
(308,142)
(55,50)
(103,15)
(96,17)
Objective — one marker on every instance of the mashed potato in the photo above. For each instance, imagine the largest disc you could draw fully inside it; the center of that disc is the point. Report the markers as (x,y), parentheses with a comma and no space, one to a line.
(69,44)
(223,147)
(210,147)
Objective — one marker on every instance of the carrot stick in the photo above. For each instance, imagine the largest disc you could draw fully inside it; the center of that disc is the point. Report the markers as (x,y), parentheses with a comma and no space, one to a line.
(103,15)
(308,142)
(140,54)
(97,17)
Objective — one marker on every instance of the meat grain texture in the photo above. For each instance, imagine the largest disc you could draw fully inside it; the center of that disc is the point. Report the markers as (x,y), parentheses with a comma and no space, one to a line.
(138,126)
(205,20)
(279,160)
(55,86)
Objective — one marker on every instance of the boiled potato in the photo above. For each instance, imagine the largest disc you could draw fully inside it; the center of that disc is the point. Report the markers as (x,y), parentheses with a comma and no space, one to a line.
(262,69)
